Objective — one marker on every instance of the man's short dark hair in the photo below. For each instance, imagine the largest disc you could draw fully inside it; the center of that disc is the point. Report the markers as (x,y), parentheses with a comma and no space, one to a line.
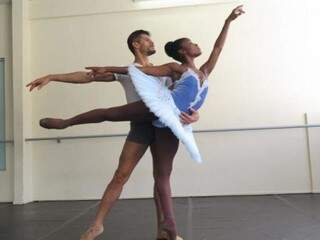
(134,37)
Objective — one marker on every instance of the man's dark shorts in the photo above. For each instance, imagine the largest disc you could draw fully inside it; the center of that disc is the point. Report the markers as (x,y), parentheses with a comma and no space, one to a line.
(141,132)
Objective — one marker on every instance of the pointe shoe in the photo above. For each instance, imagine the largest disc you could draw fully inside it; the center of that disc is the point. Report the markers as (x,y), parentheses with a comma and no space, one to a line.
(52,123)
(92,233)
(165,236)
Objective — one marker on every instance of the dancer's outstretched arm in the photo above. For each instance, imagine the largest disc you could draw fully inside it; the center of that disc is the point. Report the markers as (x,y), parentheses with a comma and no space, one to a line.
(74,77)
(168,69)
(100,71)
(208,66)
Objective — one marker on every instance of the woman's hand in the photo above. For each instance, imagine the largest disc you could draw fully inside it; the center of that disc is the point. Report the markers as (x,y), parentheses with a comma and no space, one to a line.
(236,13)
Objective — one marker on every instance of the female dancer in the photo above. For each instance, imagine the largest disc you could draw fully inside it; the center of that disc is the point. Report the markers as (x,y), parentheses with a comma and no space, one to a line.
(190,90)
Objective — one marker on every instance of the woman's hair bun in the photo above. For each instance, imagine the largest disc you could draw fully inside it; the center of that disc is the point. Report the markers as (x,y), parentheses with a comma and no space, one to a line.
(169,49)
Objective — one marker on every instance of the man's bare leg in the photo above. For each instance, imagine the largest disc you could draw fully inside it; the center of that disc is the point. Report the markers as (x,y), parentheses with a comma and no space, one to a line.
(131,154)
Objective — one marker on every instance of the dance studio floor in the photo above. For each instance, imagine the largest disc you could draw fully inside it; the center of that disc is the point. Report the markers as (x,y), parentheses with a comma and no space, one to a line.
(270,217)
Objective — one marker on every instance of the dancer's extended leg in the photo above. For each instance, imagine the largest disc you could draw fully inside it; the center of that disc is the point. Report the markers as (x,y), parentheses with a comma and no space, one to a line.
(136,111)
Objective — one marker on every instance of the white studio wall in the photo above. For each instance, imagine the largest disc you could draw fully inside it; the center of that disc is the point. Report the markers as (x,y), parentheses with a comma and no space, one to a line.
(266,76)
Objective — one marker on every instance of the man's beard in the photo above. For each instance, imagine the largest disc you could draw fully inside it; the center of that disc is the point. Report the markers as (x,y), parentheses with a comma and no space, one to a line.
(151,52)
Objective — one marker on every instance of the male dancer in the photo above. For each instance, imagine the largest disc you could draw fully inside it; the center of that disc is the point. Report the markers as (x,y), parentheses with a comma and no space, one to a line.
(163,144)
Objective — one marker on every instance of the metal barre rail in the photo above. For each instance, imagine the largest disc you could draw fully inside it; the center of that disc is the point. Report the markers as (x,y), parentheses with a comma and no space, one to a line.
(196,131)
(7,141)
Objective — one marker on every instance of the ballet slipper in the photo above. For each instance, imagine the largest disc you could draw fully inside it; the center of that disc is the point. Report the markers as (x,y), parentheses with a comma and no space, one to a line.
(165,236)
(52,123)
(92,233)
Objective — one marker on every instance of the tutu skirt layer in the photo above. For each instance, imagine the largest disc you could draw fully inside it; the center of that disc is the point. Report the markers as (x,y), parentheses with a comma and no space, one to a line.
(158,99)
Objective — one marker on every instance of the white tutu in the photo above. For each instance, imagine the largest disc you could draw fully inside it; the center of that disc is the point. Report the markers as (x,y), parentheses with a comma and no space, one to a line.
(158,99)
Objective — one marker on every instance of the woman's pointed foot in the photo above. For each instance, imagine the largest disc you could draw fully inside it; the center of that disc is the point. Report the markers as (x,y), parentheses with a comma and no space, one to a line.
(92,233)
(164,235)
(53,123)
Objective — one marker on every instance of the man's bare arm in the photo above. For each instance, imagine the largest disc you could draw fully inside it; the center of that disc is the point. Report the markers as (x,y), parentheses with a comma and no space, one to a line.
(74,77)
(162,70)
(186,118)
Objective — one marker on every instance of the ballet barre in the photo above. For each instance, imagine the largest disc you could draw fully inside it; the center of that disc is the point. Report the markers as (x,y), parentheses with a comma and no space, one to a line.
(58,139)
(7,141)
